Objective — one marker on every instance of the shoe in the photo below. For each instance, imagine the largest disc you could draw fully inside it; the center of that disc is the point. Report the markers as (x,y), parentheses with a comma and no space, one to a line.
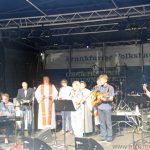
(6,141)
(71,132)
(109,140)
(95,133)
(67,131)
(62,131)
(29,135)
(102,139)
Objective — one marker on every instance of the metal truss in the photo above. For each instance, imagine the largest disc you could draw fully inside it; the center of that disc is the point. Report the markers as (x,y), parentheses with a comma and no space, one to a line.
(80,22)
(99,28)
(77,18)
(93,45)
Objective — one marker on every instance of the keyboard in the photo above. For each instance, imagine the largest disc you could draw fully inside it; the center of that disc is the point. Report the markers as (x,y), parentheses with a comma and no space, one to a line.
(10,118)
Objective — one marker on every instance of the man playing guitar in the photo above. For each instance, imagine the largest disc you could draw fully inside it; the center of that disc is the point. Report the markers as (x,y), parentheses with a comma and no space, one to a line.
(104,106)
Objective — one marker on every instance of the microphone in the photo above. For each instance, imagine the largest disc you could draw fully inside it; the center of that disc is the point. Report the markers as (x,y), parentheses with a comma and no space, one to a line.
(94,88)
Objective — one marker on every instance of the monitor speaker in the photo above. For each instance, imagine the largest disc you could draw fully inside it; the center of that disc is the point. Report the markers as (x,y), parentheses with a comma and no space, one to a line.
(44,135)
(35,144)
(87,144)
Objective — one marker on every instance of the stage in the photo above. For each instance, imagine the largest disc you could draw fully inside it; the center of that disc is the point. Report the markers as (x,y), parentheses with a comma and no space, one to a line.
(121,141)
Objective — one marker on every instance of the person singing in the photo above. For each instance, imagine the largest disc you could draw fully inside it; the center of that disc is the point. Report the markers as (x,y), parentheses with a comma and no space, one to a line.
(25,97)
(6,109)
(87,108)
(64,94)
(105,107)
(45,94)
(77,116)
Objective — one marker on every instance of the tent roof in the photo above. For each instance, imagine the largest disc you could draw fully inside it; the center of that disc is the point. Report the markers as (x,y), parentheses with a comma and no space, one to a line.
(31,8)
(22,8)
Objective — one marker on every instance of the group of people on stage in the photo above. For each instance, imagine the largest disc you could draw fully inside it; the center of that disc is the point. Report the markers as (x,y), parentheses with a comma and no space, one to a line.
(78,121)
(46,93)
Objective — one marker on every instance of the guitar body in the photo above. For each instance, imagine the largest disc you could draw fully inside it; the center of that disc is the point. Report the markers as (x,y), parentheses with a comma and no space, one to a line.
(97,100)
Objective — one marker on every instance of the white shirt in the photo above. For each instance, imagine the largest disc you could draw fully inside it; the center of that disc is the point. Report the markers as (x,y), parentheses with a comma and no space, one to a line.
(25,93)
(64,93)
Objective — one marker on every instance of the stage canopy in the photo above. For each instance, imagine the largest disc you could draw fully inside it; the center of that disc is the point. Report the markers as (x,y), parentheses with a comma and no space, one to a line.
(50,23)
(32,30)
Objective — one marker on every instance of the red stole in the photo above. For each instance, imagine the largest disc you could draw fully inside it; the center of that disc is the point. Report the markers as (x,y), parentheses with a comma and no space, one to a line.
(44,120)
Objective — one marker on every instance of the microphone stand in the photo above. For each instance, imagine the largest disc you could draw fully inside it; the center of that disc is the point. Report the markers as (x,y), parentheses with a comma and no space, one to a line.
(32,110)
(84,119)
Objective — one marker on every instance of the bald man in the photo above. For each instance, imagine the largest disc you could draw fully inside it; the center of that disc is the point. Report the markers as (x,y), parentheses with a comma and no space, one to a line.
(25,97)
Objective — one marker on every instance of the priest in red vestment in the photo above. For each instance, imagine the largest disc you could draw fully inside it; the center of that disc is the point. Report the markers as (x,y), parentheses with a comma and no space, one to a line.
(45,94)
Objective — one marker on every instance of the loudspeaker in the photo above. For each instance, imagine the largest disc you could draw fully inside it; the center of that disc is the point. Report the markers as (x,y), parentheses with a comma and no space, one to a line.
(87,144)
(44,135)
(35,144)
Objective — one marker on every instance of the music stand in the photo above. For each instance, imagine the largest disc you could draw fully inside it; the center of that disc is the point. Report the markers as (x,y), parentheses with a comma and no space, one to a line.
(64,105)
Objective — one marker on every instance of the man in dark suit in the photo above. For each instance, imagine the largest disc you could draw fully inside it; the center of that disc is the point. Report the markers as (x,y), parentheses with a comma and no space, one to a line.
(25,97)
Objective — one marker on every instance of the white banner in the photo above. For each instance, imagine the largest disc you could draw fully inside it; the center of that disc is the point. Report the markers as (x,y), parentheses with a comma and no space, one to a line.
(129,55)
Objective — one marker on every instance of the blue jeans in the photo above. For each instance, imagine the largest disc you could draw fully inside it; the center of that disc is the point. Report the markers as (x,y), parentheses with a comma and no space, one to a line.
(66,116)
(26,113)
(106,124)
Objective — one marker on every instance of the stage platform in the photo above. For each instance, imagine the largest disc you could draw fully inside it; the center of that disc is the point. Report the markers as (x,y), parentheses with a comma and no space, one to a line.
(123,141)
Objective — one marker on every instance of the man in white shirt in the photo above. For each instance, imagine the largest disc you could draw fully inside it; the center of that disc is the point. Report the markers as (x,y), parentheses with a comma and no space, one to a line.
(64,94)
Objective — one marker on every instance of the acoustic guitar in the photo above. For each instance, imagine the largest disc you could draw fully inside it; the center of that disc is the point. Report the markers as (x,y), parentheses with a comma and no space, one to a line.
(97,98)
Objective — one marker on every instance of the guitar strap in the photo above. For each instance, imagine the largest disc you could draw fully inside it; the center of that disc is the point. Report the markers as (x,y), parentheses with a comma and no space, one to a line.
(107,90)
(107,93)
